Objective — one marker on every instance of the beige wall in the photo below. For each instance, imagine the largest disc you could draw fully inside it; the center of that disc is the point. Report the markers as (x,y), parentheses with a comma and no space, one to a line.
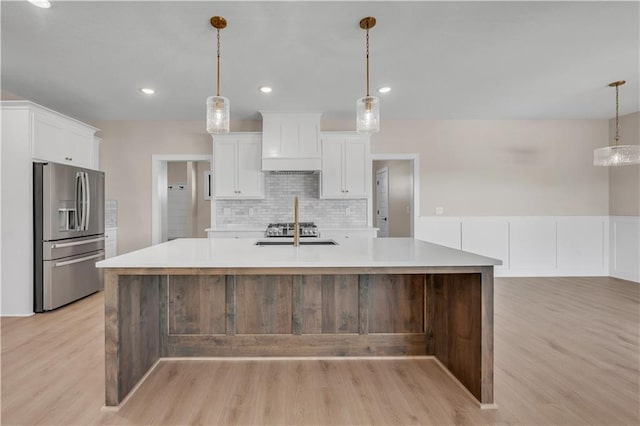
(400,194)
(125,156)
(9,96)
(503,167)
(468,167)
(624,181)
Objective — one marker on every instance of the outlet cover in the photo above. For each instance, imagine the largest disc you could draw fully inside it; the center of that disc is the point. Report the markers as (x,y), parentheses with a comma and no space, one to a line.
(439,211)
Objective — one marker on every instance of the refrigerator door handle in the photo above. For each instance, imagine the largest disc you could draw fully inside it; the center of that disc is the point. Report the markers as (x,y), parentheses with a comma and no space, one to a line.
(82,259)
(87,201)
(79,196)
(77,243)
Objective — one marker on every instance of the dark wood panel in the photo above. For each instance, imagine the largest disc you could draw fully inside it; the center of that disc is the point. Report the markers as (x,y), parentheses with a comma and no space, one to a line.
(430,313)
(396,303)
(457,330)
(264,304)
(230,282)
(111,338)
(486,341)
(197,304)
(139,325)
(163,319)
(329,304)
(363,304)
(303,345)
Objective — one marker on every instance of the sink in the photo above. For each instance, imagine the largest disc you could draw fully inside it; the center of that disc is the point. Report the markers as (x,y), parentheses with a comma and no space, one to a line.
(314,242)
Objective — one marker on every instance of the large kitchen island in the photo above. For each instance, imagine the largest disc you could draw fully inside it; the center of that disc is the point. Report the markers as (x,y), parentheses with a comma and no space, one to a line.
(233,298)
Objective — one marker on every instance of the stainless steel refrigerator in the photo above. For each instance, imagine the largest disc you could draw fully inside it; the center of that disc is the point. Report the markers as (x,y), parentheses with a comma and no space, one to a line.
(68,233)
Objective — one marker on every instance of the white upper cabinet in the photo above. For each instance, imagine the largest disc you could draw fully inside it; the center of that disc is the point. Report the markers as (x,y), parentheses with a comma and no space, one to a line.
(290,141)
(237,166)
(50,136)
(345,166)
(63,140)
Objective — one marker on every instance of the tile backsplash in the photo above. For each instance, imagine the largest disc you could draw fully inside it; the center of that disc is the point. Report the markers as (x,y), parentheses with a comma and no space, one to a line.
(278,205)
(110,213)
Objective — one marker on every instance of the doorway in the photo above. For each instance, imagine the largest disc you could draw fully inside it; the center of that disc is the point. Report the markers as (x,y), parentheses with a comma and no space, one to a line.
(180,204)
(395,194)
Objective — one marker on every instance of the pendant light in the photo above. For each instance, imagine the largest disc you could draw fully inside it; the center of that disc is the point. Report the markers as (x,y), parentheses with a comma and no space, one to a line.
(617,155)
(368,108)
(218,106)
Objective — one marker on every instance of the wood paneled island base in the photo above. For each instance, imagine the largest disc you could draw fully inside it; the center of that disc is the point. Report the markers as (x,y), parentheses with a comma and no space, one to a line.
(443,311)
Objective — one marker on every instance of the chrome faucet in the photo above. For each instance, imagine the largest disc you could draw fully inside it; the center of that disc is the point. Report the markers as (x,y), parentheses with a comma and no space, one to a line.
(296,224)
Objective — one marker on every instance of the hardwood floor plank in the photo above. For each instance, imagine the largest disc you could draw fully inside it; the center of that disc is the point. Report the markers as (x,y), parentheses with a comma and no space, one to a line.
(566,352)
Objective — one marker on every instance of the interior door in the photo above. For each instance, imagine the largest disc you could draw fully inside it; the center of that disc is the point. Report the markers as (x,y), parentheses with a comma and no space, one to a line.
(382,202)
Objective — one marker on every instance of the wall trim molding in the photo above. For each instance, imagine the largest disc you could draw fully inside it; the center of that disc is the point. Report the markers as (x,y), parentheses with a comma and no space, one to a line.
(544,245)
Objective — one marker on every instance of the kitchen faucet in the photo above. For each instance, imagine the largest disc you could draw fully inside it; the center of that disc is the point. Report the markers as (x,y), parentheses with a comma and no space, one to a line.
(296,225)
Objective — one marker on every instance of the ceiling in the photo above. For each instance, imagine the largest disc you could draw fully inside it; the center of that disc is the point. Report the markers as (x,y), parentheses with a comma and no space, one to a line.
(443,60)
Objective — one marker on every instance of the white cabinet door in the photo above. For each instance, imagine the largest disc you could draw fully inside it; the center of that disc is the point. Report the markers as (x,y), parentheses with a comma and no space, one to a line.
(332,167)
(225,165)
(345,166)
(355,167)
(63,141)
(49,140)
(237,166)
(250,176)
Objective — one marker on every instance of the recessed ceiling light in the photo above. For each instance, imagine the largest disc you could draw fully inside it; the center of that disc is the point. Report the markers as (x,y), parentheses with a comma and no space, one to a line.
(147,91)
(266,89)
(45,4)
(385,89)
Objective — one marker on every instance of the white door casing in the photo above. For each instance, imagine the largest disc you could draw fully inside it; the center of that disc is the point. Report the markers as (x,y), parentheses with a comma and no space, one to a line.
(382,202)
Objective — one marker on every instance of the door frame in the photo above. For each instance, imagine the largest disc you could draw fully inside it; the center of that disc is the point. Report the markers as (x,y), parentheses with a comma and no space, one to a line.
(159,191)
(376,223)
(415,200)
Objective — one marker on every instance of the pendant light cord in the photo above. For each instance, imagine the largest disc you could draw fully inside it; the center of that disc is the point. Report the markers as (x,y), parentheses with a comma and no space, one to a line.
(617,118)
(218,78)
(367,60)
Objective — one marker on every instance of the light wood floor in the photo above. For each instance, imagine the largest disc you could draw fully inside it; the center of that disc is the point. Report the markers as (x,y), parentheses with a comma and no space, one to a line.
(566,352)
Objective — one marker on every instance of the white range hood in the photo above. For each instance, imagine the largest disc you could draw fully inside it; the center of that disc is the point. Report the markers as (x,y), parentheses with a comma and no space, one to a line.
(291,141)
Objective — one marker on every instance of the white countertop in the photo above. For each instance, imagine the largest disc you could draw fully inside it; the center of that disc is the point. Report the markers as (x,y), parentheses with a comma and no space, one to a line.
(243,253)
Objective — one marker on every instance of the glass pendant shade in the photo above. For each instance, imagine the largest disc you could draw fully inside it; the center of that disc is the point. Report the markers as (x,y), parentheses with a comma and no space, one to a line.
(617,155)
(368,114)
(217,114)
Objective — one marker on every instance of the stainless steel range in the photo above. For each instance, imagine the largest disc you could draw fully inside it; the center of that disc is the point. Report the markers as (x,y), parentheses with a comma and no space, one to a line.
(307,229)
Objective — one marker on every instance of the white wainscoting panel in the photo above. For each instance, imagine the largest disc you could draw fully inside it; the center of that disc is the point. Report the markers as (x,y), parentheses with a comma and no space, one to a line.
(625,247)
(488,237)
(582,244)
(539,245)
(532,244)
